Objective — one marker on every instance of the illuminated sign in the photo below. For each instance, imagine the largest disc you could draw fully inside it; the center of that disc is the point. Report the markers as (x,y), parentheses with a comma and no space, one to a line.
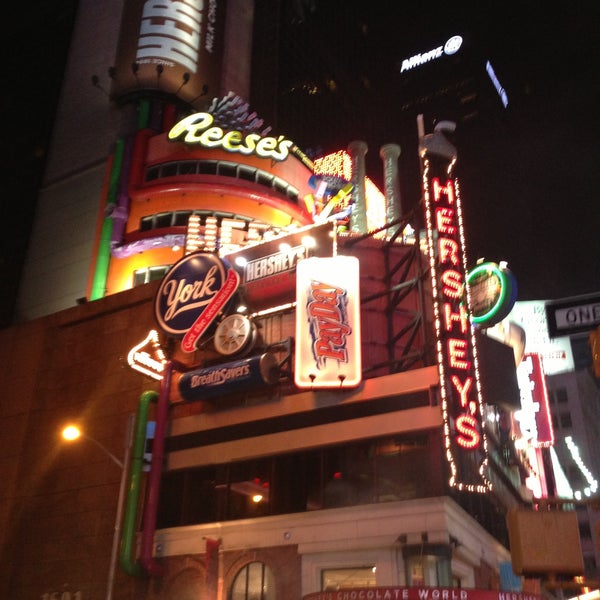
(534,417)
(460,388)
(418,593)
(327,349)
(227,378)
(452,46)
(268,270)
(176,47)
(147,357)
(335,170)
(177,41)
(578,314)
(279,262)
(556,353)
(493,292)
(501,91)
(198,129)
(192,294)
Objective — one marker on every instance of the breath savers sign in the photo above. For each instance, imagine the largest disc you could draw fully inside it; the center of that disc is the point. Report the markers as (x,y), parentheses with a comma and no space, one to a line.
(457,355)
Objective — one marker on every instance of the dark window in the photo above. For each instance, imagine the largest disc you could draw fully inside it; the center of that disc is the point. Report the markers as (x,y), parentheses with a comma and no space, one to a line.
(246,173)
(280,186)
(264,178)
(370,471)
(146,223)
(152,173)
(207,167)
(585,532)
(227,169)
(169,170)
(163,220)
(182,217)
(188,167)
(561,395)
(565,419)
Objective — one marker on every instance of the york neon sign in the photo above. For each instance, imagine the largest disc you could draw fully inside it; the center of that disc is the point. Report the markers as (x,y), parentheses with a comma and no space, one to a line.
(455,343)
(199,129)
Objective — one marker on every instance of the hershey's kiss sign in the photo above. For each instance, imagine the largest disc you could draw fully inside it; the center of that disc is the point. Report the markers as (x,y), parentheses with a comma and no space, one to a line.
(192,294)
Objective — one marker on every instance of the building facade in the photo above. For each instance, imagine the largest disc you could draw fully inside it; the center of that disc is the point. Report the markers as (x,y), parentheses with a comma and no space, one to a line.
(283,358)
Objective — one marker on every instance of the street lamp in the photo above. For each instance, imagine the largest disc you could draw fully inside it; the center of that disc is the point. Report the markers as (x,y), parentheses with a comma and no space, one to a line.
(71,433)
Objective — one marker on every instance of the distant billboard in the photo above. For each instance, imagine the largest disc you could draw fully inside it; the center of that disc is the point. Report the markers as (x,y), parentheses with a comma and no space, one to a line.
(175,47)
(556,354)
(534,417)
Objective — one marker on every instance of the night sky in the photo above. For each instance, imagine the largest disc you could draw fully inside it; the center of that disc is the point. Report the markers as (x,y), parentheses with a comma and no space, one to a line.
(529,188)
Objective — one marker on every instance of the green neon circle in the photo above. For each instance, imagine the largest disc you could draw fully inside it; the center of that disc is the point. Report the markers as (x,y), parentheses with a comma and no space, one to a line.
(491,269)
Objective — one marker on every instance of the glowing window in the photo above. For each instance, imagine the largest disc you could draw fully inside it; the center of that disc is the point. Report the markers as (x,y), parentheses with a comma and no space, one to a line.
(357,577)
(255,581)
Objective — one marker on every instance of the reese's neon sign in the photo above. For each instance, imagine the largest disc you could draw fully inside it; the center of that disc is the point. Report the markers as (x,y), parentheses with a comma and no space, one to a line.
(199,129)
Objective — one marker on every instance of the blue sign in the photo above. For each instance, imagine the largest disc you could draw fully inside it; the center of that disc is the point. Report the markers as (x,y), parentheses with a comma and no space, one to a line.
(188,290)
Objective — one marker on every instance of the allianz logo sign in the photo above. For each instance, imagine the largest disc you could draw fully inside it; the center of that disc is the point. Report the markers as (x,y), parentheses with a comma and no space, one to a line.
(452,46)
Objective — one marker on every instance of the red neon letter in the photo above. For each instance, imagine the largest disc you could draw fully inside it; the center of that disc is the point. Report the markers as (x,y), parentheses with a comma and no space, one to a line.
(447,189)
(457,352)
(463,391)
(453,284)
(460,317)
(469,437)
(443,220)
(448,251)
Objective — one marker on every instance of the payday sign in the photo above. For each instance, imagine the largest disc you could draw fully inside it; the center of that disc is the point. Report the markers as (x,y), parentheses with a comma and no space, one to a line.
(328,340)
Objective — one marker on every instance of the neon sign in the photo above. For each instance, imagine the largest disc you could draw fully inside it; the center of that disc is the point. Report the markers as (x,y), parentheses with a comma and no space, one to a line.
(452,46)
(535,420)
(147,357)
(198,129)
(493,292)
(192,294)
(466,448)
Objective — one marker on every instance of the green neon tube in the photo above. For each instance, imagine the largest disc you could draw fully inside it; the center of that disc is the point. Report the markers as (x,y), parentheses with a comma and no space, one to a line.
(127,552)
(143,115)
(103,258)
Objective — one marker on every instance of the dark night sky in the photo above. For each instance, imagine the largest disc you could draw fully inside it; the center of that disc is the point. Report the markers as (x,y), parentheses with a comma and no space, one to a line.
(530,189)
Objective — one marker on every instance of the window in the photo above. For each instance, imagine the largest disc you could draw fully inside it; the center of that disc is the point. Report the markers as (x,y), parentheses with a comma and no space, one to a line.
(255,581)
(561,395)
(585,531)
(142,276)
(565,419)
(379,470)
(339,579)
(428,564)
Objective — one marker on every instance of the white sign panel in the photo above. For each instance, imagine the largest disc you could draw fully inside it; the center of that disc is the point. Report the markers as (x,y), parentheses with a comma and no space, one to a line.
(328,340)
(556,353)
